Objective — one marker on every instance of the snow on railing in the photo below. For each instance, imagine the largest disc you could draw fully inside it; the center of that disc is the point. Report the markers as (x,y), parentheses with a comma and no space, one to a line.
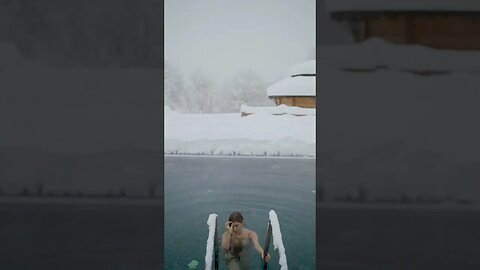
(212,221)
(277,240)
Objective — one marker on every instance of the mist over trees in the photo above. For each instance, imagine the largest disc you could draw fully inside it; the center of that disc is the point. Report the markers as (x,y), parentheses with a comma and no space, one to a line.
(198,93)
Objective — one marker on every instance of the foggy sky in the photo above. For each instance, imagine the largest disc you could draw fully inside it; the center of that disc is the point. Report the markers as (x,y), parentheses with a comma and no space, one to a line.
(223,37)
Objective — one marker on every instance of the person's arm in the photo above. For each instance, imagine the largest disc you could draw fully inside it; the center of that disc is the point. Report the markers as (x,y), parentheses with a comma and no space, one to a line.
(227,236)
(258,248)
(226,241)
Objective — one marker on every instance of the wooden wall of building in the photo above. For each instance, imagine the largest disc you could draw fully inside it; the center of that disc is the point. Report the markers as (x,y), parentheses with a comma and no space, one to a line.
(303,102)
(457,31)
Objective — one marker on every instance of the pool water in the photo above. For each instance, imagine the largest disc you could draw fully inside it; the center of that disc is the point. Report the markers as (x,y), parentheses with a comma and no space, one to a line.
(196,186)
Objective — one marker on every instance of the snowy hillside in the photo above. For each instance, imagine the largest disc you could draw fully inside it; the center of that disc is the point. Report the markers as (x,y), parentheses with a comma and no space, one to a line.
(230,134)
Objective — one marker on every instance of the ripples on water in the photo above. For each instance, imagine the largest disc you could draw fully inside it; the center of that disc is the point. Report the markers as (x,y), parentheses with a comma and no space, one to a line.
(198,186)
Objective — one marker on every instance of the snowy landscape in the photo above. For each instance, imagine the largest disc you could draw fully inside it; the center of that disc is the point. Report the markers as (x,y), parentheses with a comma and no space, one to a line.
(259,134)
(240,119)
(239,126)
(81,152)
(398,129)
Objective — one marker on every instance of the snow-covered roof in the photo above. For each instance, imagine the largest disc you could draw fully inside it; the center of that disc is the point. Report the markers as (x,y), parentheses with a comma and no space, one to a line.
(293,86)
(376,52)
(307,67)
(402,5)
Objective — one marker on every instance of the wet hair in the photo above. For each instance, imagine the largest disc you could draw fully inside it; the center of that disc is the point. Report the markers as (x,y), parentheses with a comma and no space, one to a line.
(236,217)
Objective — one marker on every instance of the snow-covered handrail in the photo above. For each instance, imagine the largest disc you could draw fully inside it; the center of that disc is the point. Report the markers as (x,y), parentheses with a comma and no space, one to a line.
(277,240)
(267,243)
(211,242)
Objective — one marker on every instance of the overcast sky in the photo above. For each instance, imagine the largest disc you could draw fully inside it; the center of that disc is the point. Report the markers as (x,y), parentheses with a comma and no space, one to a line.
(222,37)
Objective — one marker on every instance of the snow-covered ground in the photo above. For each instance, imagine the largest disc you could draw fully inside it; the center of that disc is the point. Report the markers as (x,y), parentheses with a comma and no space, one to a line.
(231,134)
(278,110)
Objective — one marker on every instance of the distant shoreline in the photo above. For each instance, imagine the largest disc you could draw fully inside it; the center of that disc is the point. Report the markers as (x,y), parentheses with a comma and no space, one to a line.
(238,156)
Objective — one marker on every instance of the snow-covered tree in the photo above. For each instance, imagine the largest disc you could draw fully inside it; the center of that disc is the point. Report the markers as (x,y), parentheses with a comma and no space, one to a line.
(176,94)
(247,87)
(202,92)
(198,93)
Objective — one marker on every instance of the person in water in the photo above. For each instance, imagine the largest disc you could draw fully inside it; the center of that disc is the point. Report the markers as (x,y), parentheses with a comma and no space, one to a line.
(235,241)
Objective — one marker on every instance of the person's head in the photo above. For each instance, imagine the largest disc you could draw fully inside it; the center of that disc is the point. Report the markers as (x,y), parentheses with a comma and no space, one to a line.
(237,221)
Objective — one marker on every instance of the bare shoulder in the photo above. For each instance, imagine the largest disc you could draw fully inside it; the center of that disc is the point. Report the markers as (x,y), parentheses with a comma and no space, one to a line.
(251,233)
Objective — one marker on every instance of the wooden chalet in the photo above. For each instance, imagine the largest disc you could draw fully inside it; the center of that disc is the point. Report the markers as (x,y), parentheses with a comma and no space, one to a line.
(297,90)
(441,24)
